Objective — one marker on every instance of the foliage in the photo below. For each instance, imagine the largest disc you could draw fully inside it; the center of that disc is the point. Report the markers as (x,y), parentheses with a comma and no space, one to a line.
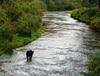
(27,23)
(90,3)
(88,15)
(62,4)
(93,65)
(95,22)
(3,17)
(92,17)
(5,34)
(19,19)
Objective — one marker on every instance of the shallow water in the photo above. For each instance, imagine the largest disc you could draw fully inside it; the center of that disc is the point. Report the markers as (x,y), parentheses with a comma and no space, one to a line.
(60,51)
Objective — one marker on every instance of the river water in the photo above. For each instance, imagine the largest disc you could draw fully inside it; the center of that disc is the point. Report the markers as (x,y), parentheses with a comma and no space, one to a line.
(61,51)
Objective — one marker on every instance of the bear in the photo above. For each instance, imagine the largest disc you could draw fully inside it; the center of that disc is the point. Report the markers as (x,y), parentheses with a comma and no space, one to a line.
(29,55)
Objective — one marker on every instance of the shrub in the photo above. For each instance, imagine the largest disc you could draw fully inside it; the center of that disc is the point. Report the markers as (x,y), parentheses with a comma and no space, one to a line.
(5,34)
(88,15)
(35,7)
(20,21)
(3,17)
(14,10)
(95,23)
(92,17)
(27,23)
(93,66)
(6,47)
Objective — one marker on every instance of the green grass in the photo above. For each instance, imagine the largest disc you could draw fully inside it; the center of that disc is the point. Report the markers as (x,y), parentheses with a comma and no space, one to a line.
(69,11)
(19,41)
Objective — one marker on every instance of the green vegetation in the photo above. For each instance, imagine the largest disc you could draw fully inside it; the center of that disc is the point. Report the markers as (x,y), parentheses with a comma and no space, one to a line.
(21,20)
(91,3)
(20,23)
(93,65)
(90,14)
(61,5)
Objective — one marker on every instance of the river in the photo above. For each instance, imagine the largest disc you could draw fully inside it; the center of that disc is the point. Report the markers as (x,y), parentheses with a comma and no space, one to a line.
(61,51)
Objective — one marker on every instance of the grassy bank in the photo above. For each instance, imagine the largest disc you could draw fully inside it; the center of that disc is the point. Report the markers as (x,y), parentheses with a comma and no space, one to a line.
(90,16)
(93,65)
(20,23)
(18,41)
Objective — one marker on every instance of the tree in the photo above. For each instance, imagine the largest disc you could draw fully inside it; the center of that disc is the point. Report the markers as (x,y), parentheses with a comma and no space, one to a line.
(99,4)
(91,3)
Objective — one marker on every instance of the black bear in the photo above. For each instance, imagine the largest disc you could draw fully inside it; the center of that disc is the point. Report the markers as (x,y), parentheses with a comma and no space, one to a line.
(29,55)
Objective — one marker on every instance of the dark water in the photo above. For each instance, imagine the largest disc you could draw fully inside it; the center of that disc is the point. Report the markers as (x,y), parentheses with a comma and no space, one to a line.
(60,51)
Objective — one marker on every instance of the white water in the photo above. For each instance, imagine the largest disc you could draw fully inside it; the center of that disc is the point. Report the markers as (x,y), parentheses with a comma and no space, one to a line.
(58,52)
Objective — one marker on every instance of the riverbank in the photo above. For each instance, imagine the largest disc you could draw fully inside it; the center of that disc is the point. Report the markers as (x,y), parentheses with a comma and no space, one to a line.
(20,23)
(18,41)
(91,16)
(93,65)
(55,52)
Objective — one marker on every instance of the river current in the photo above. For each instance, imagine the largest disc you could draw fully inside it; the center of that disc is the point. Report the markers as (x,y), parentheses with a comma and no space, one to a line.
(61,51)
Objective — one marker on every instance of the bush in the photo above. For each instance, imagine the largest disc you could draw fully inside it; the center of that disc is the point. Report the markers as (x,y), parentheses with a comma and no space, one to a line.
(5,34)
(93,66)
(92,17)
(3,17)
(13,13)
(35,7)
(5,47)
(88,15)
(27,23)
(20,21)
(95,23)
